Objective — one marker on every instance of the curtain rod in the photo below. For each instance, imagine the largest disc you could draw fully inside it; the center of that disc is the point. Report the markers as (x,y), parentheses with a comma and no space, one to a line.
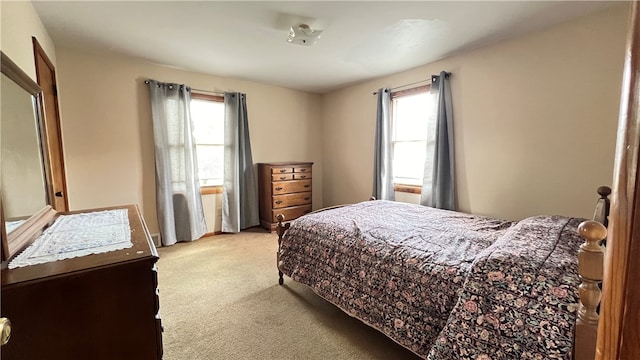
(219,93)
(417,82)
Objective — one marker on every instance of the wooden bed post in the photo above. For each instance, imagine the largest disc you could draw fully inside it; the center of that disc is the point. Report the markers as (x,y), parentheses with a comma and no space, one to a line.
(590,268)
(601,214)
(280,229)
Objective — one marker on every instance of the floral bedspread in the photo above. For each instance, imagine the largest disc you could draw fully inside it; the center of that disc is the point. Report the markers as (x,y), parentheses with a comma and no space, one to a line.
(446,285)
(520,298)
(398,267)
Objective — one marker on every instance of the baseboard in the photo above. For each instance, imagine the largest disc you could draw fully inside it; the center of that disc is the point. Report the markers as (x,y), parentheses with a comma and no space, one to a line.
(158,241)
(211,234)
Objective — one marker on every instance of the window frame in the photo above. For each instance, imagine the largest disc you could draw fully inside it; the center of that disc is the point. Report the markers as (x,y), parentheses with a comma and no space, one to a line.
(209,189)
(399,187)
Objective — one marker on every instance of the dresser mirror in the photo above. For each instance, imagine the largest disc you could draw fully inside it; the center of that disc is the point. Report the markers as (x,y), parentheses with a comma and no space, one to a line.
(23,174)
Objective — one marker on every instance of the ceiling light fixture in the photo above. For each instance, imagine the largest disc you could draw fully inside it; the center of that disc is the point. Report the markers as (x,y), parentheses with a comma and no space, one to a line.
(303,34)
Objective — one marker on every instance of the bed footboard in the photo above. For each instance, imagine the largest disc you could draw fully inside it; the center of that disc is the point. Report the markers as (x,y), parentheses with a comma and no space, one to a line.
(280,229)
(591,269)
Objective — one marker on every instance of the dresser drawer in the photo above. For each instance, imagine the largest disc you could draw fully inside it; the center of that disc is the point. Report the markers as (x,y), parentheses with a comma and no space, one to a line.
(301,176)
(302,169)
(281,201)
(280,177)
(292,186)
(281,170)
(291,213)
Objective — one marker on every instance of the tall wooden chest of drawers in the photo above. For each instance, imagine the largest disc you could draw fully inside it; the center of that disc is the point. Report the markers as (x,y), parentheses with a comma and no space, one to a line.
(285,188)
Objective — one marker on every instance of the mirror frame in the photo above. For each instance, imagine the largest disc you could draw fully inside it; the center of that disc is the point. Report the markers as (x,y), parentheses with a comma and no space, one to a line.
(23,235)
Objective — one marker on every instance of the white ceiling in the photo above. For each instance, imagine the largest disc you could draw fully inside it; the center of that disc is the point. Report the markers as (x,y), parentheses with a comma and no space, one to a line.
(247,40)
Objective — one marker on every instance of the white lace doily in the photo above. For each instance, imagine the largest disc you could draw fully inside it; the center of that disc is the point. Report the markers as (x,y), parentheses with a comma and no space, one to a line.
(78,235)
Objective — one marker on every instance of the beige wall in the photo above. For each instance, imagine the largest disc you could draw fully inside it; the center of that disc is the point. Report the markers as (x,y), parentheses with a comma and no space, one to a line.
(535,121)
(108,135)
(19,22)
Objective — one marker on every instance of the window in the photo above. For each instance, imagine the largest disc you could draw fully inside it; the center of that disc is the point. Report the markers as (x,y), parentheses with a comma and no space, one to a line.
(207,114)
(409,120)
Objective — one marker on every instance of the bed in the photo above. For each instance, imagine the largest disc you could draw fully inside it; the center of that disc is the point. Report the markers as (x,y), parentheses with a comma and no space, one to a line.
(443,284)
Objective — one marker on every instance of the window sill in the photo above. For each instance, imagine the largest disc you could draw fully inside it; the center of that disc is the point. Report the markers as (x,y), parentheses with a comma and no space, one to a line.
(411,189)
(210,190)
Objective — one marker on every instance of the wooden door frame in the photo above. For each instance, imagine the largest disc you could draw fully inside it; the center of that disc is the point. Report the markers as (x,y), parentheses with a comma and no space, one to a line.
(38,51)
(619,327)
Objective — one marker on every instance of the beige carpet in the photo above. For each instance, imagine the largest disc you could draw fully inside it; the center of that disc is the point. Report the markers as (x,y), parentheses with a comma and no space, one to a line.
(220,299)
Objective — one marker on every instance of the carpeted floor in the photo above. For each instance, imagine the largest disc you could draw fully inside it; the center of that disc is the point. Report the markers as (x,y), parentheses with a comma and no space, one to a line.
(220,299)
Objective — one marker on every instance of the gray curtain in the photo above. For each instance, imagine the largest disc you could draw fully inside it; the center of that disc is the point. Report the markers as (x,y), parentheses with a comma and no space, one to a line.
(383,151)
(240,197)
(178,200)
(438,188)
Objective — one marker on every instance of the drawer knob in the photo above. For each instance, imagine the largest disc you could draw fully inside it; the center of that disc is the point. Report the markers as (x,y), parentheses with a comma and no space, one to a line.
(282,177)
(283,170)
(279,188)
(303,176)
(278,202)
(5,331)
(307,185)
(307,198)
(303,170)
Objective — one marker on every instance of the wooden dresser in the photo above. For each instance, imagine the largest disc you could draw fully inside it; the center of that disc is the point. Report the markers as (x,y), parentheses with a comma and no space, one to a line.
(285,188)
(102,306)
